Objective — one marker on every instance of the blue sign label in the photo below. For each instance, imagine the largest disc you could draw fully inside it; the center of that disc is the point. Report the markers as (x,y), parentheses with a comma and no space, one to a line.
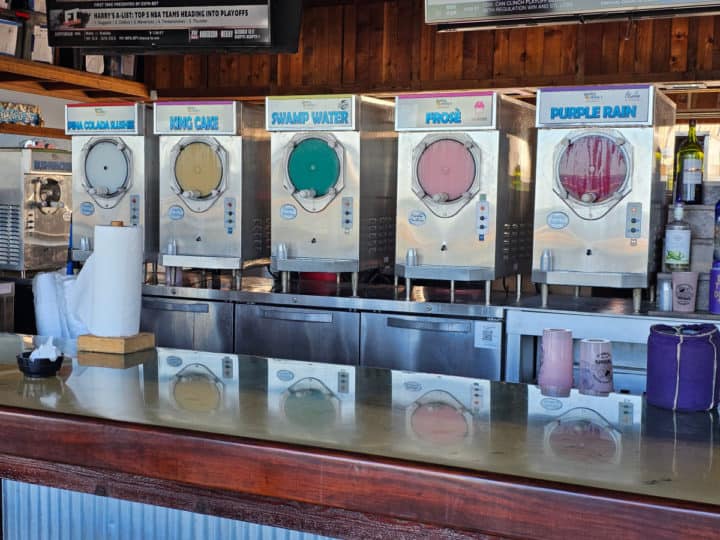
(444,117)
(40,165)
(623,112)
(101,125)
(87,209)
(176,212)
(301,118)
(558,220)
(194,123)
(417,218)
(288,211)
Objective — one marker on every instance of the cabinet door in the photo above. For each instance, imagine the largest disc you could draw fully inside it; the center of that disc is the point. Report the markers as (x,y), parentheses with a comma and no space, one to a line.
(298,333)
(432,344)
(188,324)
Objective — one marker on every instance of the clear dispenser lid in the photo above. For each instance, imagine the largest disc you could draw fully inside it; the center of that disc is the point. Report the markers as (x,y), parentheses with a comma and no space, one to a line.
(107,169)
(593,168)
(199,169)
(314,166)
(446,169)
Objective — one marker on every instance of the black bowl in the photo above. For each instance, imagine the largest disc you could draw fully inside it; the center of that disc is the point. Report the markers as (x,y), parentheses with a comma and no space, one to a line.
(39,367)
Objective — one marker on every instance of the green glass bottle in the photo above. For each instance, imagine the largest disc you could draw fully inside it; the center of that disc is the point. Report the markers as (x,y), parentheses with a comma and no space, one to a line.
(689,169)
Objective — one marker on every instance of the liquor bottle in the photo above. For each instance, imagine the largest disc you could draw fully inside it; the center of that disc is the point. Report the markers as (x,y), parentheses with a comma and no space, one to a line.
(677,242)
(689,169)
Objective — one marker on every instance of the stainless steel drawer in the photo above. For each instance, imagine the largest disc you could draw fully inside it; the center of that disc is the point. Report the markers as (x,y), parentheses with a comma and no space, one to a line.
(189,324)
(297,333)
(432,344)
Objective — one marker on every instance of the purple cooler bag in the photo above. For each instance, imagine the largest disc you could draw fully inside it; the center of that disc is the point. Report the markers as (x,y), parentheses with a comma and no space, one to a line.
(682,367)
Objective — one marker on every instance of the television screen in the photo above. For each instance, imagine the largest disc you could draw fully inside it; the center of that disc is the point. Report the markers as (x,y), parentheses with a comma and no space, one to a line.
(147,26)
(518,12)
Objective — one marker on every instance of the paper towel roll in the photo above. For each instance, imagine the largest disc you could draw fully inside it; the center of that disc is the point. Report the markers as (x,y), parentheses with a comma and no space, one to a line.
(112,307)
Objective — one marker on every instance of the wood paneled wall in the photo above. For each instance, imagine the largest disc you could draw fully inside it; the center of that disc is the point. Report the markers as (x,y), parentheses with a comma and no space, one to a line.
(384,46)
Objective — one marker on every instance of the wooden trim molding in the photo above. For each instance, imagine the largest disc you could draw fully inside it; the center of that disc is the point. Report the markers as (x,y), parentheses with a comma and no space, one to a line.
(324,491)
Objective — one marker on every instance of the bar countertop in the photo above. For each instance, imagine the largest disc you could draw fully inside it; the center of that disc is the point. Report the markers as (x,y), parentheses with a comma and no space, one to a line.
(602,450)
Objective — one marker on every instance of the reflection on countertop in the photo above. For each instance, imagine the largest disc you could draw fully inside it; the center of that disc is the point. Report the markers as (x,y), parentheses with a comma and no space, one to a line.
(616,442)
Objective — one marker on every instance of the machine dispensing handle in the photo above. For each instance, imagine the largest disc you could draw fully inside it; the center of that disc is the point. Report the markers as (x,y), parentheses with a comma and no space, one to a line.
(175,306)
(430,326)
(296,316)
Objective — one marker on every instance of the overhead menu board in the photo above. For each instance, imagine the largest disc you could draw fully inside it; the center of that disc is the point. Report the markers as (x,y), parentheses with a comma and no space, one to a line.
(147,25)
(505,12)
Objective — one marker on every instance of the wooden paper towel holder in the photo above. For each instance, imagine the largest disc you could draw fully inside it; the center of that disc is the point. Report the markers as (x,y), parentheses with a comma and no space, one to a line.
(116,345)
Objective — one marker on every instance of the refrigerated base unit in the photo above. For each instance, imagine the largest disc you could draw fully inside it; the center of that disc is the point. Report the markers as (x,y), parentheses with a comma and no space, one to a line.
(295,333)
(189,324)
(465,188)
(600,199)
(462,347)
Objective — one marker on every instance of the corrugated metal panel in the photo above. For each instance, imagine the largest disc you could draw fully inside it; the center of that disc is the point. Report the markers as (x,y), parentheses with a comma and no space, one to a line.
(33,512)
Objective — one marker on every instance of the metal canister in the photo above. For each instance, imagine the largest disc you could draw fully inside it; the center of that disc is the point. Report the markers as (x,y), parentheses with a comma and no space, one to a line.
(665,295)
(714,300)
(546,261)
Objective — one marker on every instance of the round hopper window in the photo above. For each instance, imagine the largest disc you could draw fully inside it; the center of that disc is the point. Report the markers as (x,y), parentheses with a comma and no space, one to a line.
(593,168)
(446,170)
(583,441)
(439,423)
(198,170)
(106,168)
(313,167)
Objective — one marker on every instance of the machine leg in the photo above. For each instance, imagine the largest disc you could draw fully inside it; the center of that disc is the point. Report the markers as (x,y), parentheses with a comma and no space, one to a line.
(337,279)
(577,291)
(154,273)
(285,280)
(637,299)
(651,294)
(236,280)
(488,289)
(544,295)
(355,278)
(452,291)
(397,282)
(203,279)
(408,288)
(518,287)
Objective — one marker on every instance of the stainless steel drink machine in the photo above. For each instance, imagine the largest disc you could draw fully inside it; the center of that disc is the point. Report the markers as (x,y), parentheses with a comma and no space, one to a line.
(115,176)
(214,185)
(333,184)
(465,187)
(599,202)
(35,208)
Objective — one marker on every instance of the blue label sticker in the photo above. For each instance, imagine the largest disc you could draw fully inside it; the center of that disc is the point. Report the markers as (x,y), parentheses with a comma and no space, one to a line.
(285,375)
(558,220)
(87,209)
(174,361)
(176,212)
(551,404)
(288,211)
(417,218)
(413,386)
